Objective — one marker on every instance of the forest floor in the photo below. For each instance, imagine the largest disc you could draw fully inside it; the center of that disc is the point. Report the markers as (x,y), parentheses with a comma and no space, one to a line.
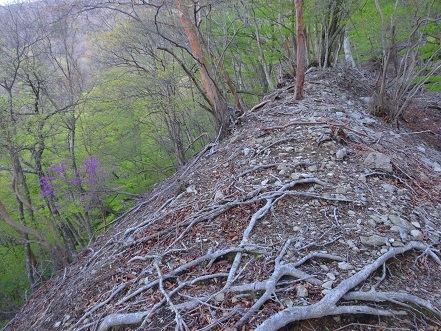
(311,215)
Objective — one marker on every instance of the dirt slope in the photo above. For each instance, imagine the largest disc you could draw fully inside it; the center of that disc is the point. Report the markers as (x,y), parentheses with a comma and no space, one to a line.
(308,209)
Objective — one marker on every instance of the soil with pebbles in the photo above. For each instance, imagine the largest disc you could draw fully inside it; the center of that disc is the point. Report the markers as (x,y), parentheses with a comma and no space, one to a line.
(377,188)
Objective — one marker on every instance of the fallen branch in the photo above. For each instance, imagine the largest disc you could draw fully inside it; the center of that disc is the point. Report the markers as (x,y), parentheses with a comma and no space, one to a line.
(259,105)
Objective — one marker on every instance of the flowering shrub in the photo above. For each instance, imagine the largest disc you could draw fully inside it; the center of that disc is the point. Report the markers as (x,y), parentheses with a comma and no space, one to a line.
(81,190)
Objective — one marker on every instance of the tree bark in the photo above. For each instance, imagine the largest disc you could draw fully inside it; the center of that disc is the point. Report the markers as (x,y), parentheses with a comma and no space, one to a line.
(347,49)
(219,107)
(300,70)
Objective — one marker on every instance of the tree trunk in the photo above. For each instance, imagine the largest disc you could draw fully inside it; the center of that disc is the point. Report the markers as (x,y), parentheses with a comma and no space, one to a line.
(300,70)
(347,49)
(217,104)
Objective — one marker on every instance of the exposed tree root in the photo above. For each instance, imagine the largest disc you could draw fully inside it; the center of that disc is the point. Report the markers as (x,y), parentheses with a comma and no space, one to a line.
(328,304)
(342,299)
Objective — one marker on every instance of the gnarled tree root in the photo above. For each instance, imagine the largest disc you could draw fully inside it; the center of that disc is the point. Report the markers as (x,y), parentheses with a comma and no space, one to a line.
(328,304)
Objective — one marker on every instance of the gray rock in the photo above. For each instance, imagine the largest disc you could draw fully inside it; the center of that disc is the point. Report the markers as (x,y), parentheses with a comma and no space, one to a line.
(302,291)
(367,100)
(345,266)
(219,195)
(341,153)
(328,285)
(416,224)
(388,187)
(403,232)
(417,235)
(192,189)
(368,121)
(355,115)
(378,161)
(219,297)
(340,190)
(374,240)
(324,267)
(397,243)
(397,220)
(330,275)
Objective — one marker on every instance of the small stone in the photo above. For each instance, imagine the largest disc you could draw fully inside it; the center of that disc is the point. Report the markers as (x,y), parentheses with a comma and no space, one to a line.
(313,168)
(340,190)
(371,222)
(367,100)
(297,228)
(378,161)
(328,285)
(351,244)
(330,275)
(416,224)
(302,291)
(397,243)
(345,266)
(397,220)
(368,121)
(246,151)
(374,240)
(287,302)
(192,189)
(282,167)
(324,267)
(351,212)
(403,232)
(388,188)
(220,297)
(417,234)
(57,324)
(219,195)
(341,153)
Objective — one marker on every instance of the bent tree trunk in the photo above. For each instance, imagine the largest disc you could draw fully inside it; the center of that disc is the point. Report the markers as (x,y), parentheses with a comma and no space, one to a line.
(218,106)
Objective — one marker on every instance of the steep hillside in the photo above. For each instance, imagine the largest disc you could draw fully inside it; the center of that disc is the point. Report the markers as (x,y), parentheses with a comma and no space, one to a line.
(311,213)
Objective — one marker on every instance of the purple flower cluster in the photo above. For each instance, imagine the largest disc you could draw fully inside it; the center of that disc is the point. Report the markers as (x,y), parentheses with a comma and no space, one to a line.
(47,187)
(87,186)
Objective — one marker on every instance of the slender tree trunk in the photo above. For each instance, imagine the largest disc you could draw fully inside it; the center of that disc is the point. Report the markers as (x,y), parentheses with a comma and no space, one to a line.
(347,49)
(300,70)
(262,56)
(217,104)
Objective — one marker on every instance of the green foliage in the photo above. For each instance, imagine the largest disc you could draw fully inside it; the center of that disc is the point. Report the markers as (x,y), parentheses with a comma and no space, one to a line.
(13,279)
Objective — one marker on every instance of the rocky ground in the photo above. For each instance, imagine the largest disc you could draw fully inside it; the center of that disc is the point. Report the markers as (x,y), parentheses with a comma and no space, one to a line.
(312,215)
